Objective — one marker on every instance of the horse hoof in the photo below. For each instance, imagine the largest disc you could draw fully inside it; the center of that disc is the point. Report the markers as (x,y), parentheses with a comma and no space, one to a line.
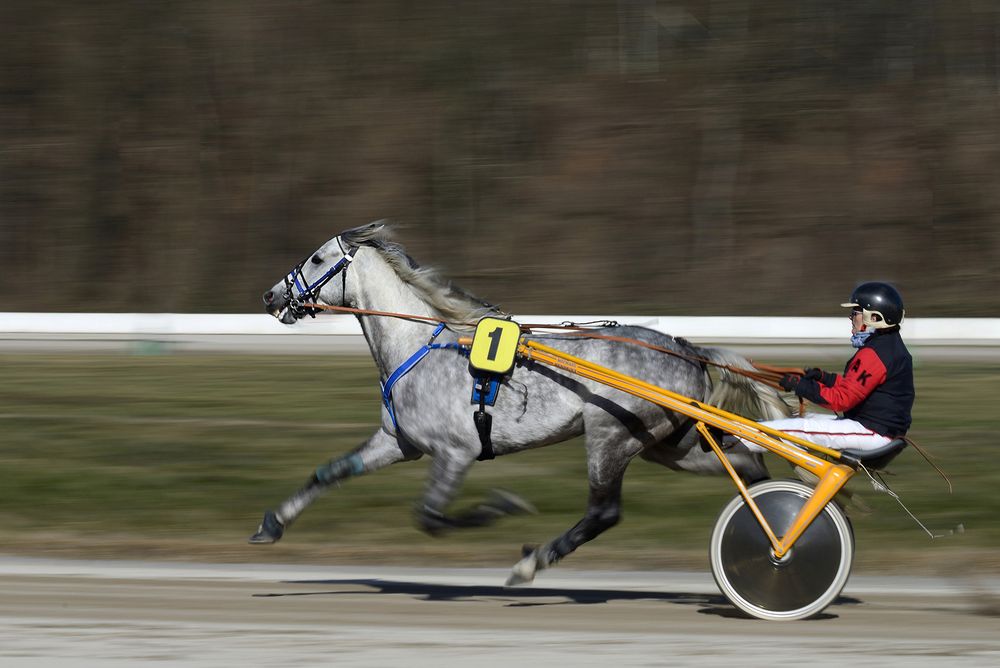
(432,522)
(269,531)
(523,571)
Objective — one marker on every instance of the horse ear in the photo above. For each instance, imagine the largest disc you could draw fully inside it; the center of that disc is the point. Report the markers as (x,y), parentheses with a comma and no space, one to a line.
(366,234)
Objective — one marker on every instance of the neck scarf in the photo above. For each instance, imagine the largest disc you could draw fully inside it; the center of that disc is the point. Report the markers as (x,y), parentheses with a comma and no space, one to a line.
(858,340)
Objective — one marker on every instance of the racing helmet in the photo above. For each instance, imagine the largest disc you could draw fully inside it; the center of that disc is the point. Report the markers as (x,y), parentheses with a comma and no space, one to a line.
(880,303)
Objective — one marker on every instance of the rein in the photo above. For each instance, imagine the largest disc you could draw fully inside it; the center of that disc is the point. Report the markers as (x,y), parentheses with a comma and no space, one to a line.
(762,373)
(768,375)
(387,314)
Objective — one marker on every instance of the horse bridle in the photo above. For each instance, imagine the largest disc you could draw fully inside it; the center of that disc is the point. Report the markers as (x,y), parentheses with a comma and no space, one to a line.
(308,293)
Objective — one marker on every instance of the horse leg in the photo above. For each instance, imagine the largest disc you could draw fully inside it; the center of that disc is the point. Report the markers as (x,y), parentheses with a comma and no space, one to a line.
(443,483)
(686,450)
(606,464)
(379,451)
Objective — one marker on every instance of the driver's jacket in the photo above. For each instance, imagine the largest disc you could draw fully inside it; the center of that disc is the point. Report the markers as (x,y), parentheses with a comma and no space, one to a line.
(876,388)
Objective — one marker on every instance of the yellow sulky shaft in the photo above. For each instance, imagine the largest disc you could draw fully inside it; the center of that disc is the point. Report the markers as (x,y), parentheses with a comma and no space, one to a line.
(832,476)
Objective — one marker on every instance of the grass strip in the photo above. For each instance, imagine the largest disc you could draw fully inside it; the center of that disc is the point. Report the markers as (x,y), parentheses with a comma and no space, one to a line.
(175,456)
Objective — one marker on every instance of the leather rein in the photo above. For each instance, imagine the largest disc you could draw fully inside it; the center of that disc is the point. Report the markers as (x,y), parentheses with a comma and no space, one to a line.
(762,373)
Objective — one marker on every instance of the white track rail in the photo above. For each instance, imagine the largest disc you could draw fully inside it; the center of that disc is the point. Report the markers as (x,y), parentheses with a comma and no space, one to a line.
(969,338)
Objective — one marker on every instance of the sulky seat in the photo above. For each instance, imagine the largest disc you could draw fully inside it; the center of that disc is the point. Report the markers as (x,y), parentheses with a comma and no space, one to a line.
(878,458)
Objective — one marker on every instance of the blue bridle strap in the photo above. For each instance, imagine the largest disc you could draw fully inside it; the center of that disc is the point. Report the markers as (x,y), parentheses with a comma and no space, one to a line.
(408,365)
(322,280)
(311,292)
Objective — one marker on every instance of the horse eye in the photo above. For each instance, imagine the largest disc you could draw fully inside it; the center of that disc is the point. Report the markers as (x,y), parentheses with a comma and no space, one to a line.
(316,259)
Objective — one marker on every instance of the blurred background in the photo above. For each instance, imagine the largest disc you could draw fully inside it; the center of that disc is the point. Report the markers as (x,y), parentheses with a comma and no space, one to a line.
(631,156)
(647,157)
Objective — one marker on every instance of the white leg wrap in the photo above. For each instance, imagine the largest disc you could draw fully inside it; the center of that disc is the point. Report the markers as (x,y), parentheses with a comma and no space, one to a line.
(524,570)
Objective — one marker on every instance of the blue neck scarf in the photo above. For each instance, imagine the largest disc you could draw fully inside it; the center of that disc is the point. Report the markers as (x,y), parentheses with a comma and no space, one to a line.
(858,340)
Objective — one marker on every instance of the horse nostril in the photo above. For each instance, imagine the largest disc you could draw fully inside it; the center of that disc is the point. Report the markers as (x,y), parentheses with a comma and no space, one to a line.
(268,297)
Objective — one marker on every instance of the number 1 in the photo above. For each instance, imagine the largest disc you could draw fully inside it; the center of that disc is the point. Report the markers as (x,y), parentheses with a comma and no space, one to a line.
(495,336)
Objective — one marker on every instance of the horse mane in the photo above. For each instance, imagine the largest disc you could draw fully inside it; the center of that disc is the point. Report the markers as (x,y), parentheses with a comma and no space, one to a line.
(454,303)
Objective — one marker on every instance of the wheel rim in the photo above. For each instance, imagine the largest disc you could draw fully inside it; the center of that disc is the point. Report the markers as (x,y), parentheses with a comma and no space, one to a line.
(801,583)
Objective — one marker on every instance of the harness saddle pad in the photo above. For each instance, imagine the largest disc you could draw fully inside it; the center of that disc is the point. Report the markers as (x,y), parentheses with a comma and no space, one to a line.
(494,346)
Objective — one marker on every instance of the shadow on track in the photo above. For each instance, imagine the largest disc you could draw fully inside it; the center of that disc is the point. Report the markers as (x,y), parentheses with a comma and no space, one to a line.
(514,595)
(714,604)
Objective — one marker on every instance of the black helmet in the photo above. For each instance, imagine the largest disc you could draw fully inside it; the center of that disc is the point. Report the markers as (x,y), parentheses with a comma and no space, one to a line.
(880,303)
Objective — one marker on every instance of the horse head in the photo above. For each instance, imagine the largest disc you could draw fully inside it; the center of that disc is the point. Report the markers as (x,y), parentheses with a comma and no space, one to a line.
(311,280)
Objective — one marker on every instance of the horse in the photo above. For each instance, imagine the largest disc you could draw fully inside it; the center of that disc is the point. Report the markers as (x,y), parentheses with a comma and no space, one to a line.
(427,409)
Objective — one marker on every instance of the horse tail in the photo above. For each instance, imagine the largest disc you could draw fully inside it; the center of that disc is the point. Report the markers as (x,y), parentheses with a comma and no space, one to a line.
(741,394)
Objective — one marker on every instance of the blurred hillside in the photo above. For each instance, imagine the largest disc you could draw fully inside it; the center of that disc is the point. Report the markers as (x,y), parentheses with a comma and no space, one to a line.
(643,156)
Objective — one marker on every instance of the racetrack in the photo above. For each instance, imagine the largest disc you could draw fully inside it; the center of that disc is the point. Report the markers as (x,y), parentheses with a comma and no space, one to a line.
(76,613)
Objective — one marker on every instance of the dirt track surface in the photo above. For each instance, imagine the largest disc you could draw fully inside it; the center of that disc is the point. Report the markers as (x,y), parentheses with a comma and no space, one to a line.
(76,613)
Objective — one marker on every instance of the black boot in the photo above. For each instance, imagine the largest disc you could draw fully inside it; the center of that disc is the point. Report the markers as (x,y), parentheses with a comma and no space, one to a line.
(269,531)
(724,439)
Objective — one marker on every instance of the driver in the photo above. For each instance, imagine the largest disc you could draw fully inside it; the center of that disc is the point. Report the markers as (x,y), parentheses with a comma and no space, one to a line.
(874,394)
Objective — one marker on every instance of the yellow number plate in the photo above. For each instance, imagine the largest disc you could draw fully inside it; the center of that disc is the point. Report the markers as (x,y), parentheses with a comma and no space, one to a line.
(494,345)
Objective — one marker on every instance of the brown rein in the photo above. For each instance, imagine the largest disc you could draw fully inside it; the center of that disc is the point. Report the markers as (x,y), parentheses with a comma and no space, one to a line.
(762,373)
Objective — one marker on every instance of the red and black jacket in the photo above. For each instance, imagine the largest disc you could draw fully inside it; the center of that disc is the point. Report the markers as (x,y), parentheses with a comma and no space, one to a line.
(876,388)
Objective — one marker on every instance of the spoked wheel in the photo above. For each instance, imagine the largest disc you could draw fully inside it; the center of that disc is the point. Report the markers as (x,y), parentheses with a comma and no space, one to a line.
(801,583)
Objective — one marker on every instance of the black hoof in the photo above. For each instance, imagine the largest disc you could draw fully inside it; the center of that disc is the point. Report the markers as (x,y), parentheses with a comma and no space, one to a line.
(269,531)
(432,522)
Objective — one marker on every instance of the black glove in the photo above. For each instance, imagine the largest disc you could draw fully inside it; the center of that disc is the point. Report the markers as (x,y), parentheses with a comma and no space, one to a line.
(789,382)
(824,377)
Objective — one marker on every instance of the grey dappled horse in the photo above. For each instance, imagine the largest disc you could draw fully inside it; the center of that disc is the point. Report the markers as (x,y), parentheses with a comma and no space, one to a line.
(537,405)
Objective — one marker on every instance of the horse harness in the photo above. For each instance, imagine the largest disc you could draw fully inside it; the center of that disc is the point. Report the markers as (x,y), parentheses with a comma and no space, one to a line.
(487,376)
(492,352)
(408,366)
(302,297)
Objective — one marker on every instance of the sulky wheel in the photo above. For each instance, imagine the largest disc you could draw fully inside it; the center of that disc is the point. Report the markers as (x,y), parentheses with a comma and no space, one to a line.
(801,584)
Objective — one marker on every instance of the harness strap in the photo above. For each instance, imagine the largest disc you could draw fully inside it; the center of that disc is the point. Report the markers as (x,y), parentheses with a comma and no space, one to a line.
(488,384)
(482,419)
(407,366)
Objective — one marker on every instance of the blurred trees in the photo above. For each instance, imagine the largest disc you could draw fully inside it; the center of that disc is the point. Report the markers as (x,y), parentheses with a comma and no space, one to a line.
(629,156)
